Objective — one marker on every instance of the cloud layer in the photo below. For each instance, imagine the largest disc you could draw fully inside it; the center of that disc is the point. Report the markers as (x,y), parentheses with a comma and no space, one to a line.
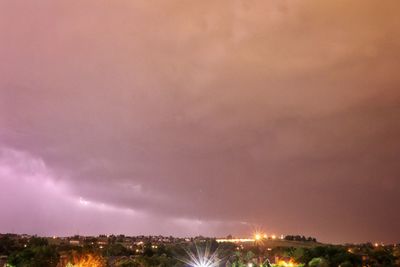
(224,116)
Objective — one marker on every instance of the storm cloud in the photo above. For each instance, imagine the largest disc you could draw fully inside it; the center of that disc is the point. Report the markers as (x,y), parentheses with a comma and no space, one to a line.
(205,117)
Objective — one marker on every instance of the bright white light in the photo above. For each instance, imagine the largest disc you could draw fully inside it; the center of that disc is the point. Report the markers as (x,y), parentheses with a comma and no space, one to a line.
(202,258)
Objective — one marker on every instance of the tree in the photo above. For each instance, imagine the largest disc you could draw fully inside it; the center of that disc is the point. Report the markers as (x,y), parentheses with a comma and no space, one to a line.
(346,264)
(117,250)
(35,257)
(318,262)
(148,251)
(8,245)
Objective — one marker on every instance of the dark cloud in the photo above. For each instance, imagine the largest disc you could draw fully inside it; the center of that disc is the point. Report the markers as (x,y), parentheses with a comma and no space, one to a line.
(210,117)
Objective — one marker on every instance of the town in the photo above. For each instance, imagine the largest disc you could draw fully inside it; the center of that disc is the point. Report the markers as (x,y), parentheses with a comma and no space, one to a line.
(141,251)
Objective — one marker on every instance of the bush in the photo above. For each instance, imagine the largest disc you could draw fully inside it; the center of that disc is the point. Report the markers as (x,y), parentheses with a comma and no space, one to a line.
(318,262)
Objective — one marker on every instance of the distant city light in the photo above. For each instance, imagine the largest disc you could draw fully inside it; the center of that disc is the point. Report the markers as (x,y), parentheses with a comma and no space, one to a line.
(235,240)
(257,236)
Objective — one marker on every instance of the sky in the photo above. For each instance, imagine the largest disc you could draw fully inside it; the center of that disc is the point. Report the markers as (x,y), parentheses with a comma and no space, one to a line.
(200,118)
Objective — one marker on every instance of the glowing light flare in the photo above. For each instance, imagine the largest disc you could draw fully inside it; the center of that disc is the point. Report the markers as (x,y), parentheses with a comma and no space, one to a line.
(88,260)
(202,258)
(290,263)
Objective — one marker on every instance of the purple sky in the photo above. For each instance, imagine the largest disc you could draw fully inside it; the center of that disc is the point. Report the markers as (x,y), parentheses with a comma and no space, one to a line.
(201,117)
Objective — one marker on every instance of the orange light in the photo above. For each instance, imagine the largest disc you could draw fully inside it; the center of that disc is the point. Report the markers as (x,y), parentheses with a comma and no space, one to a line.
(86,261)
(289,263)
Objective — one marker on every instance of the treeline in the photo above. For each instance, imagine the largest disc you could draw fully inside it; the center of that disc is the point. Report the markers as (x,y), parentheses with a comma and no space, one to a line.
(300,238)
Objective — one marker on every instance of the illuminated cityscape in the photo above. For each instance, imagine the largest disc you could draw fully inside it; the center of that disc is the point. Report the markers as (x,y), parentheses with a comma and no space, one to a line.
(119,250)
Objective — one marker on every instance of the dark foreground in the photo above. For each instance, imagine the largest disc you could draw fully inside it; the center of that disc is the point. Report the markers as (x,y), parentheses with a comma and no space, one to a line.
(102,251)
